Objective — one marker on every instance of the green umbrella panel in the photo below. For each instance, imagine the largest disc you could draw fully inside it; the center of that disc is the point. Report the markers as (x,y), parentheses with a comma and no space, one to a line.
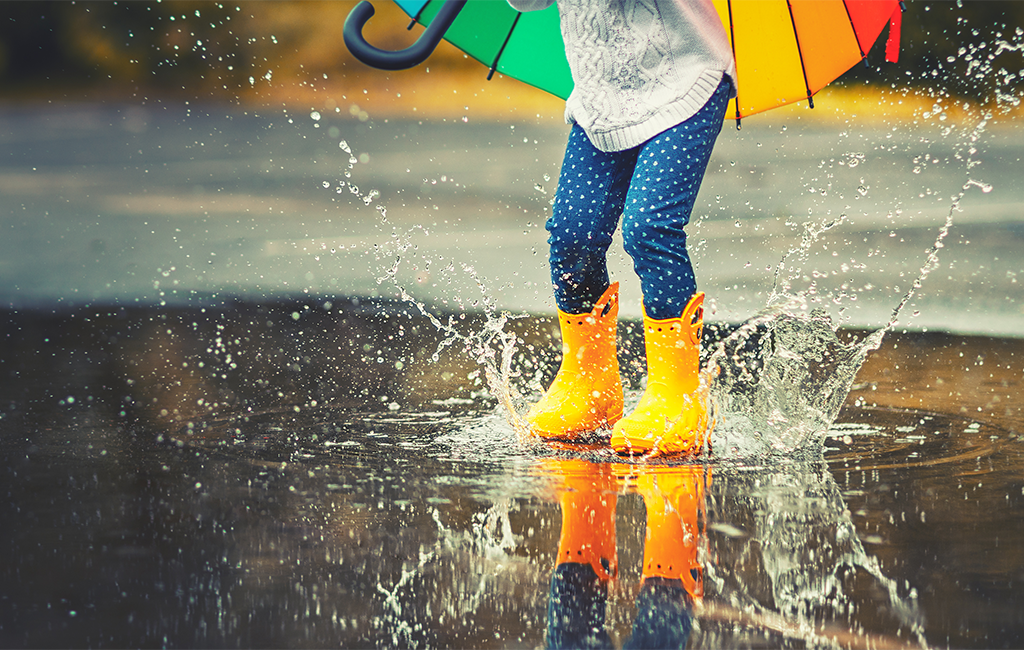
(525,46)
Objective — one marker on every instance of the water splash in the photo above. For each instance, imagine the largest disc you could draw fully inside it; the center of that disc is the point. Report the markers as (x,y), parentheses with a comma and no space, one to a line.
(787,559)
(491,346)
(403,632)
(812,232)
(932,257)
(779,381)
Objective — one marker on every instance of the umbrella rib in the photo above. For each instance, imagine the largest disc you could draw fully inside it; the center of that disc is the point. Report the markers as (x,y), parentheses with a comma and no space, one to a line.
(416,18)
(732,42)
(856,36)
(800,54)
(501,50)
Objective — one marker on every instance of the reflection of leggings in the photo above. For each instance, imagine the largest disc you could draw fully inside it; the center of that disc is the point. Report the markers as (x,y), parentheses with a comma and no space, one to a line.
(576,612)
(653,186)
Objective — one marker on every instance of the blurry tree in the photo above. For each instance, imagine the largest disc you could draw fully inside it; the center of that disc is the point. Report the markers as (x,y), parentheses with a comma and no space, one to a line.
(32,44)
(217,47)
(191,45)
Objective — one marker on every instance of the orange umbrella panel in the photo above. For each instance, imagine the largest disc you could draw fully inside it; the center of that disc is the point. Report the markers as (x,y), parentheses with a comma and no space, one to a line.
(788,50)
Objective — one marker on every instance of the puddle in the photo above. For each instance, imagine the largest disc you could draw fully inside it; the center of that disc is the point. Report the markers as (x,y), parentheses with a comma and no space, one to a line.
(273,474)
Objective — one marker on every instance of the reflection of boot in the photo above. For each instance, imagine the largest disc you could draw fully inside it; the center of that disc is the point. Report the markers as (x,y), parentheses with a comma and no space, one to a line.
(674,498)
(671,417)
(588,517)
(672,576)
(586,555)
(586,395)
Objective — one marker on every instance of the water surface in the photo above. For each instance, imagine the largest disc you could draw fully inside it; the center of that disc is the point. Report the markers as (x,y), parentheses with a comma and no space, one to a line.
(304,473)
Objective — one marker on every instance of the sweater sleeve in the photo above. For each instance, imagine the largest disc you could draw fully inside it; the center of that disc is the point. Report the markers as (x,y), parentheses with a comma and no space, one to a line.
(530,5)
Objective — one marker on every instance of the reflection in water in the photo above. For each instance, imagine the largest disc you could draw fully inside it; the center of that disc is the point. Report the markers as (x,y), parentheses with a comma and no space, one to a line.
(790,558)
(671,578)
(306,474)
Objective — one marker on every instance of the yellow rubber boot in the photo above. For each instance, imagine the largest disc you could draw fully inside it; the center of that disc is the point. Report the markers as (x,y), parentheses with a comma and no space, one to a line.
(671,417)
(674,498)
(586,394)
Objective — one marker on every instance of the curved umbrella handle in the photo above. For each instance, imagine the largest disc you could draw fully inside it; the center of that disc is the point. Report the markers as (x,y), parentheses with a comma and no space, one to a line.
(411,56)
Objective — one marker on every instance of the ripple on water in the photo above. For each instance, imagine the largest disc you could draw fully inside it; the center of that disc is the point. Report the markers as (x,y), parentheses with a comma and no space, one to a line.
(876,438)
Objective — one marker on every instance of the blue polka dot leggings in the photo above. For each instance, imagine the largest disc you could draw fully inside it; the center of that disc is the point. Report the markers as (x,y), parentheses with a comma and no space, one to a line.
(653,187)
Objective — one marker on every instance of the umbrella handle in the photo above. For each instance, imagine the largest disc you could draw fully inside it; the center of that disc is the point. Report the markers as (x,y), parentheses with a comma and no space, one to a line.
(411,56)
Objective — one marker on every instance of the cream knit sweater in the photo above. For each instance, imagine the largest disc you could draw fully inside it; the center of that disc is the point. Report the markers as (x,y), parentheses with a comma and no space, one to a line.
(639,66)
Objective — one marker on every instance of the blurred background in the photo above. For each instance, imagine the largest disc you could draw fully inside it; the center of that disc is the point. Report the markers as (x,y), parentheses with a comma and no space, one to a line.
(147,136)
(237,149)
(224,51)
(247,52)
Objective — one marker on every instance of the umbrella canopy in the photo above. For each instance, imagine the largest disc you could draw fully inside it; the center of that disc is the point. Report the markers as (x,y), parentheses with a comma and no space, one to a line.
(785,50)
(788,50)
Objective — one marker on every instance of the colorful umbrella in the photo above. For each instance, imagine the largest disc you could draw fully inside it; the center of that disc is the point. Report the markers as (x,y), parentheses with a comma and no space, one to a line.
(785,50)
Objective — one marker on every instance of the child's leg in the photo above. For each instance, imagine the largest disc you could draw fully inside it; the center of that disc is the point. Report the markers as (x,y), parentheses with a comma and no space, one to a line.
(671,416)
(591,191)
(661,195)
(586,395)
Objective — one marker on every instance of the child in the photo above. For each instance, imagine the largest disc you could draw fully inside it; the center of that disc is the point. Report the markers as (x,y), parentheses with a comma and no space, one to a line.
(652,80)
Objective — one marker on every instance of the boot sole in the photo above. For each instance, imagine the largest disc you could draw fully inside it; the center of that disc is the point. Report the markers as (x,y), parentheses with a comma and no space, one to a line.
(569,436)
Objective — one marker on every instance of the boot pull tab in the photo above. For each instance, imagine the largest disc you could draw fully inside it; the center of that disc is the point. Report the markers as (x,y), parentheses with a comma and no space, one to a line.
(693,316)
(607,301)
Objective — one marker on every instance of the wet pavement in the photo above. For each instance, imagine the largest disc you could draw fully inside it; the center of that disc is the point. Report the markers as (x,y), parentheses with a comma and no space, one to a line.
(221,425)
(162,201)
